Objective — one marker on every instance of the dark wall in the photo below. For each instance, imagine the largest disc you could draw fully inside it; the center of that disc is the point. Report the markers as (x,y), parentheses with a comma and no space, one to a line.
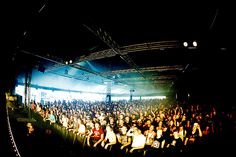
(213,81)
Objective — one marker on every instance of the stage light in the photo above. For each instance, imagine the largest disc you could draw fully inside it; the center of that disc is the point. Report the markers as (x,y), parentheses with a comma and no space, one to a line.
(70,61)
(185,44)
(194,43)
(66,62)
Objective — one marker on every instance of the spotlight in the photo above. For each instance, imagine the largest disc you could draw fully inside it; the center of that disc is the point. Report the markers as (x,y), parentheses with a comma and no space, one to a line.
(70,61)
(66,62)
(194,43)
(185,44)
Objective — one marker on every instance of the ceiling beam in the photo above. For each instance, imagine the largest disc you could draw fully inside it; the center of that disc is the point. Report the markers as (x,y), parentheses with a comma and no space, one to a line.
(153,82)
(124,50)
(146,69)
(130,49)
(106,38)
(166,77)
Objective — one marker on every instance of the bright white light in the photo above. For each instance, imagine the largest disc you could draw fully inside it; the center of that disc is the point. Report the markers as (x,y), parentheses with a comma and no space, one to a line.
(154,97)
(20,90)
(48,95)
(185,44)
(194,43)
(120,98)
(66,62)
(70,61)
(135,98)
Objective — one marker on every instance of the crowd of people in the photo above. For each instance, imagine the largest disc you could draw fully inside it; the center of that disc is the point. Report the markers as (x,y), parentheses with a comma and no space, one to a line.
(139,126)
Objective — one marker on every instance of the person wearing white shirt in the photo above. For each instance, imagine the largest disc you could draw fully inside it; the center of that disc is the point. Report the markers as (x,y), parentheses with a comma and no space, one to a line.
(110,138)
(139,139)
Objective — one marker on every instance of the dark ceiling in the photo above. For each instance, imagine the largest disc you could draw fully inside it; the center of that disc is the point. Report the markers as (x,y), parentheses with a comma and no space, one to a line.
(128,44)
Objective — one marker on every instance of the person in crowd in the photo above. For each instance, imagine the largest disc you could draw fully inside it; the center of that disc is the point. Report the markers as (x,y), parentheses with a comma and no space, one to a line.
(96,136)
(139,139)
(110,138)
(112,122)
(173,124)
(52,118)
(182,133)
(123,139)
(176,144)
(195,134)
(33,106)
(127,123)
(30,129)
(81,128)
(64,121)
(150,136)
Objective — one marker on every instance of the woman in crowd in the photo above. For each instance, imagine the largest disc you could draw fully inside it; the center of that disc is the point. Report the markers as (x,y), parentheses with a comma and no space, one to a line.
(110,138)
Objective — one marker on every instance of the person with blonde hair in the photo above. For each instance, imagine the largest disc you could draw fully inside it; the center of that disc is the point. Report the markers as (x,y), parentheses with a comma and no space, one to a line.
(139,139)
(110,138)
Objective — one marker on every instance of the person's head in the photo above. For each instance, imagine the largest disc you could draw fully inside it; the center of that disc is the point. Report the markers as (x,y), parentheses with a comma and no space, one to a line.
(176,135)
(127,119)
(124,130)
(151,127)
(184,117)
(188,124)
(121,116)
(164,128)
(171,123)
(133,116)
(195,125)
(174,117)
(29,125)
(148,122)
(135,130)
(181,128)
(158,119)
(97,125)
(111,120)
(121,122)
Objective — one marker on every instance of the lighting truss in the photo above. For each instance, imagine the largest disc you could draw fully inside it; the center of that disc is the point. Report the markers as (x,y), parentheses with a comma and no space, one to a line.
(106,38)
(130,49)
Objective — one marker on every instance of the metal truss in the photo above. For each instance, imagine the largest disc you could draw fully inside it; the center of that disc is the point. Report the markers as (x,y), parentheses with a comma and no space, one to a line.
(124,51)
(106,38)
(152,82)
(169,77)
(130,49)
(146,69)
